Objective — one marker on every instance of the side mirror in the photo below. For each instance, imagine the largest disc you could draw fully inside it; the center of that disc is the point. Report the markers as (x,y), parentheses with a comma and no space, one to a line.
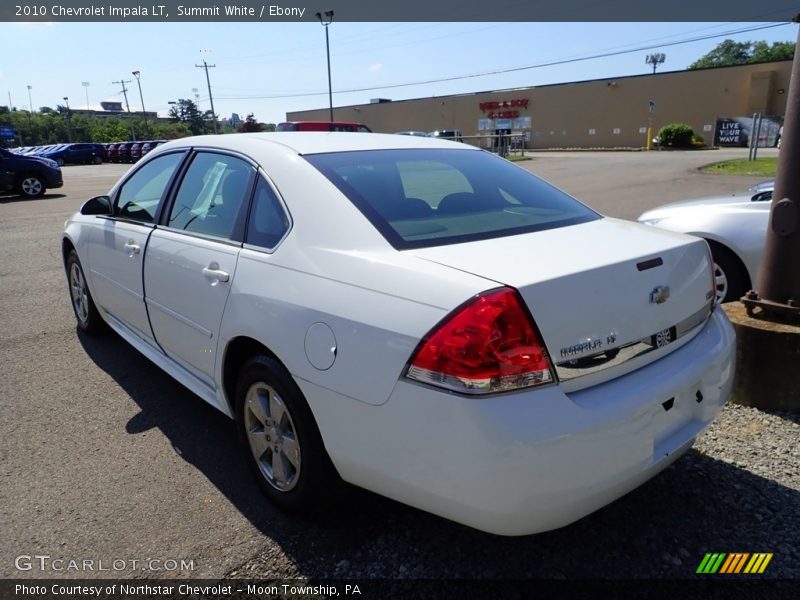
(99,205)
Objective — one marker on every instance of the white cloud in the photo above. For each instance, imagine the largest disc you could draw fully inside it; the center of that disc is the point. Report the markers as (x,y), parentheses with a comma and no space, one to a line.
(376,67)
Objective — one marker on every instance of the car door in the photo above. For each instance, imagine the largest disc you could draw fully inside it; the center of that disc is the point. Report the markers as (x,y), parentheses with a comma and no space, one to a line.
(7,173)
(118,243)
(191,259)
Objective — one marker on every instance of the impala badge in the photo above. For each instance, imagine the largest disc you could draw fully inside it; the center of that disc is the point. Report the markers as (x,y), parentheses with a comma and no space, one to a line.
(659,295)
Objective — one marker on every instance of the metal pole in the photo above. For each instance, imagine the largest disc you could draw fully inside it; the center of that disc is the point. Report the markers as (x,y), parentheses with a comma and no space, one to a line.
(69,124)
(127,106)
(778,288)
(139,83)
(758,135)
(330,88)
(30,109)
(206,66)
(750,141)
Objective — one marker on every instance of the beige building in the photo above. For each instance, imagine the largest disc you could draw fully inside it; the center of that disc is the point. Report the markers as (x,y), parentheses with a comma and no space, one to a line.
(603,113)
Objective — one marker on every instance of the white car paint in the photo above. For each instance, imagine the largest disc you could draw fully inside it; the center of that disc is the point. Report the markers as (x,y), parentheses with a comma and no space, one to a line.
(737,222)
(511,463)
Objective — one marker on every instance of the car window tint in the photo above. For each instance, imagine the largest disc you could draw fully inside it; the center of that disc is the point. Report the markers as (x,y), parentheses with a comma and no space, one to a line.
(139,197)
(428,197)
(211,195)
(268,221)
(432,180)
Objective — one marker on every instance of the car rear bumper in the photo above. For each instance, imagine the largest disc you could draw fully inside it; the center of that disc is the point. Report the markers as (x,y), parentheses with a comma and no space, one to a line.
(527,462)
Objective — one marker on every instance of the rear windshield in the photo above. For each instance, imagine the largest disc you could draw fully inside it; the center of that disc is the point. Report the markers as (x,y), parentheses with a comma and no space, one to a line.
(419,198)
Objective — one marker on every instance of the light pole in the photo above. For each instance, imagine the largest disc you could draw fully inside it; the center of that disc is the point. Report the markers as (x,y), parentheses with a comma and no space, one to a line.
(69,125)
(85,84)
(30,109)
(139,83)
(325,23)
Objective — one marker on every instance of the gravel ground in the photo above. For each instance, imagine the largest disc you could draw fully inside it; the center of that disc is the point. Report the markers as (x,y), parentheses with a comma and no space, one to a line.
(738,490)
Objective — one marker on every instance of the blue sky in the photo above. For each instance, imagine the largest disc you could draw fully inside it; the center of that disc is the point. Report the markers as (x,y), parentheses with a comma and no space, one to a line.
(287,60)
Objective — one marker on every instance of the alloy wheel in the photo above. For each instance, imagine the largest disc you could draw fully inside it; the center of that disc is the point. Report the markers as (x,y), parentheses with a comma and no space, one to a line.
(79,293)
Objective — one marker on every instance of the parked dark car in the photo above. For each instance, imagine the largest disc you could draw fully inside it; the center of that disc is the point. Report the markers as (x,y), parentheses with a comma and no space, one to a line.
(28,176)
(124,152)
(112,152)
(323,126)
(136,151)
(147,146)
(75,153)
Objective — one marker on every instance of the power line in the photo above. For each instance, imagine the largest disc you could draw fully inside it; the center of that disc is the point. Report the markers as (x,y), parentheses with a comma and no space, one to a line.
(511,69)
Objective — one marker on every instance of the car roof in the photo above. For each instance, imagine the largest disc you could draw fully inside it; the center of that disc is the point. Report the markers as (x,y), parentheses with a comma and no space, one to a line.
(314,142)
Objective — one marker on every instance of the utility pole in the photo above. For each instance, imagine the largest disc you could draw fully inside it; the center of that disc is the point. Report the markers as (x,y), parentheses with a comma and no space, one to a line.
(122,82)
(139,83)
(207,66)
(778,291)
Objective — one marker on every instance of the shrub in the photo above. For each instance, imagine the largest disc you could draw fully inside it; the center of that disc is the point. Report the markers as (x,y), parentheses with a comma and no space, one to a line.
(676,135)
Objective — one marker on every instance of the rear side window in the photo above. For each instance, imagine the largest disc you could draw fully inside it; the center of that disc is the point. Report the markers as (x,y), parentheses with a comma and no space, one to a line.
(268,221)
(212,194)
(140,195)
(418,198)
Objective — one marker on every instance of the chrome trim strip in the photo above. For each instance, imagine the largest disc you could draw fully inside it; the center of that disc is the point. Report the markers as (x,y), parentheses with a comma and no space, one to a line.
(595,363)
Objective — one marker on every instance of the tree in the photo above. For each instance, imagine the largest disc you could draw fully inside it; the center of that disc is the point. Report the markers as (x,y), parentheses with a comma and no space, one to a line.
(728,53)
(250,125)
(186,111)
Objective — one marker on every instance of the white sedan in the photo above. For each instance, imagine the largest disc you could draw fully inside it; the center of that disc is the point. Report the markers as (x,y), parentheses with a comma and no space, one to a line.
(414,316)
(734,226)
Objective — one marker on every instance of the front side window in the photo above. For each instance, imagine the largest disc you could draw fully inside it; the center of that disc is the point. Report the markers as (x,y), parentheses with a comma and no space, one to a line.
(140,195)
(211,195)
(418,198)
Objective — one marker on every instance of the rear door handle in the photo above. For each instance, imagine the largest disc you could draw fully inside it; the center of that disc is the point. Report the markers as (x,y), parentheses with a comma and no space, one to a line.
(132,248)
(213,271)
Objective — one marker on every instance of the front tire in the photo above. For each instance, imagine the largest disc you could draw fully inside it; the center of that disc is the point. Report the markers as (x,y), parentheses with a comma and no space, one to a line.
(31,186)
(280,440)
(89,319)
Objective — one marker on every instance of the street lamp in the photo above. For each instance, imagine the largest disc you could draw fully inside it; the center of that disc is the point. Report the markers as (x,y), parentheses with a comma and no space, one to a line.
(69,124)
(85,84)
(139,83)
(30,109)
(325,22)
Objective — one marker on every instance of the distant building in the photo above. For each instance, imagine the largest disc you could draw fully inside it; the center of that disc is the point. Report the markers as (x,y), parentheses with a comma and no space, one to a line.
(601,113)
(113,108)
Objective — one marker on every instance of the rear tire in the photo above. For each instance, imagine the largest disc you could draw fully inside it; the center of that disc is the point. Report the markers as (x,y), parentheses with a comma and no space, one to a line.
(731,280)
(98,160)
(280,440)
(89,319)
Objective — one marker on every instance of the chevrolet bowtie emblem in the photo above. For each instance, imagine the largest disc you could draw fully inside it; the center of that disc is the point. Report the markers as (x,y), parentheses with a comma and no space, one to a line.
(659,295)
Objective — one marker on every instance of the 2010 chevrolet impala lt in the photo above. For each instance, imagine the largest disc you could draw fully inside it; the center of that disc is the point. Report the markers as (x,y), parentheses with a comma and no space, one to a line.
(414,316)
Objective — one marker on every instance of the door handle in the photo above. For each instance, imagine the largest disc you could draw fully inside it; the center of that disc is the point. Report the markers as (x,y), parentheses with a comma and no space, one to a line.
(213,271)
(132,248)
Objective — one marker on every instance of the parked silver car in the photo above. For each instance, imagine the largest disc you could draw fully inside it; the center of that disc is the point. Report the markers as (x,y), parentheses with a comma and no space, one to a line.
(734,226)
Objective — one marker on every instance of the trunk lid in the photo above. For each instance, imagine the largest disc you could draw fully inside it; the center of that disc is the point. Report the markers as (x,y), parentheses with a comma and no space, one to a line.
(608,296)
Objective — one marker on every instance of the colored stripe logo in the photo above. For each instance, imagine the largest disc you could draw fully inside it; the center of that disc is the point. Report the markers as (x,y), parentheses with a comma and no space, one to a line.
(734,562)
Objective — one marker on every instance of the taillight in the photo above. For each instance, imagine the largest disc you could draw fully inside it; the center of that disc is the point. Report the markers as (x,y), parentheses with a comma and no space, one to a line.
(487,345)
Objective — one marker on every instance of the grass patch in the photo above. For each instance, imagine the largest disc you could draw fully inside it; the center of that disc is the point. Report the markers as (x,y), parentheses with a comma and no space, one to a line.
(762,167)
(517,157)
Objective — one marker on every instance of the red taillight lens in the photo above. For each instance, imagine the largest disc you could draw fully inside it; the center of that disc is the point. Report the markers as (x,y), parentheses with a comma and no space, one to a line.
(487,345)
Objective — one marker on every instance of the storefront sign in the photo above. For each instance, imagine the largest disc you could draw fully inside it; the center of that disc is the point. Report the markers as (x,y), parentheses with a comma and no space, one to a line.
(498,109)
